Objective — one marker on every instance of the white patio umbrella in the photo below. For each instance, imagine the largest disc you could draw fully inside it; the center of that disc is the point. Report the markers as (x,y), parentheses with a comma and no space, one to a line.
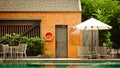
(92,24)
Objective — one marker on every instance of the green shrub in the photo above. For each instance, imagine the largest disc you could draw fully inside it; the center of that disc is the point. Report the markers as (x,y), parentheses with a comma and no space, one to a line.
(35,44)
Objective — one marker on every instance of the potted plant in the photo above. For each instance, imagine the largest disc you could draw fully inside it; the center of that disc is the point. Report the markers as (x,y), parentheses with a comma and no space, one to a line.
(15,39)
(23,40)
(6,39)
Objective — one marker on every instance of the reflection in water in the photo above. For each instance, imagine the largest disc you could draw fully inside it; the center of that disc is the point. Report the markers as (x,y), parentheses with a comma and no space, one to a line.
(58,66)
(65,65)
(49,66)
(79,66)
(75,66)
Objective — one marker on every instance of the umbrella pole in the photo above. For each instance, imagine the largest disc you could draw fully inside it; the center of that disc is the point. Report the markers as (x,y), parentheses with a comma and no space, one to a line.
(92,40)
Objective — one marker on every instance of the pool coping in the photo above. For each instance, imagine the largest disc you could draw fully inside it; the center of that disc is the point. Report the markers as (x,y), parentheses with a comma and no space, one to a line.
(57,59)
(53,61)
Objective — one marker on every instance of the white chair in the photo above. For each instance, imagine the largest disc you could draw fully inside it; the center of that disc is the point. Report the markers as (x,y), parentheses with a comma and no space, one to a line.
(84,52)
(4,50)
(13,51)
(22,50)
(1,50)
(101,51)
(113,53)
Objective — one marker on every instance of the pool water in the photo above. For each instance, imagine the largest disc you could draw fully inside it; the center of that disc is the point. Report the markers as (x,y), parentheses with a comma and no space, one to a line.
(64,65)
(59,66)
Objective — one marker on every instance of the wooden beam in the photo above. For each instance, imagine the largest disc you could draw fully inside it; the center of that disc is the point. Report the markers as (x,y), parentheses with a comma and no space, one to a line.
(23,33)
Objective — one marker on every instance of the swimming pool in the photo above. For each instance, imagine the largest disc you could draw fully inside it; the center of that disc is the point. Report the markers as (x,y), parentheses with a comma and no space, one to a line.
(64,65)
(59,63)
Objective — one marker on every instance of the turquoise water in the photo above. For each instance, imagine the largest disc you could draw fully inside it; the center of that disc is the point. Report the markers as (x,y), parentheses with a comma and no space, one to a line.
(65,65)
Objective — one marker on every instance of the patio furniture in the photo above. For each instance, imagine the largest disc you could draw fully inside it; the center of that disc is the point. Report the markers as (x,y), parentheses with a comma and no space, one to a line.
(92,24)
(101,52)
(13,51)
(84,52)
(4,50)
(113,53)
(22,50)
(1,50)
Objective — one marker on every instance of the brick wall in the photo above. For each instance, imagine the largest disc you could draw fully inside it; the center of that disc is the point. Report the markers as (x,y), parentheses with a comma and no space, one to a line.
(49,20)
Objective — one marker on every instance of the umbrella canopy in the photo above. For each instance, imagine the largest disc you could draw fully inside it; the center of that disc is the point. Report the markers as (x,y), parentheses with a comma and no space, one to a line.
(92,24)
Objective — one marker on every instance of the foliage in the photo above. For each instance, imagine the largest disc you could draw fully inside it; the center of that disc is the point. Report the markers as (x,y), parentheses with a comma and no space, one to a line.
(24,39)
(34,44)
(105,11)
(115,22)
(47,54)
(14,39)
(6,39)
(11,39)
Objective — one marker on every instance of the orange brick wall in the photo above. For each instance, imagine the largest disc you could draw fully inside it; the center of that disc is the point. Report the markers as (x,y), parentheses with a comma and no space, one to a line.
(49,20)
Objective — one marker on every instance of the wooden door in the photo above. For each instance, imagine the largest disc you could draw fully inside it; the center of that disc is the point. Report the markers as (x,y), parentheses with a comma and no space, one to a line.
(61,41)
